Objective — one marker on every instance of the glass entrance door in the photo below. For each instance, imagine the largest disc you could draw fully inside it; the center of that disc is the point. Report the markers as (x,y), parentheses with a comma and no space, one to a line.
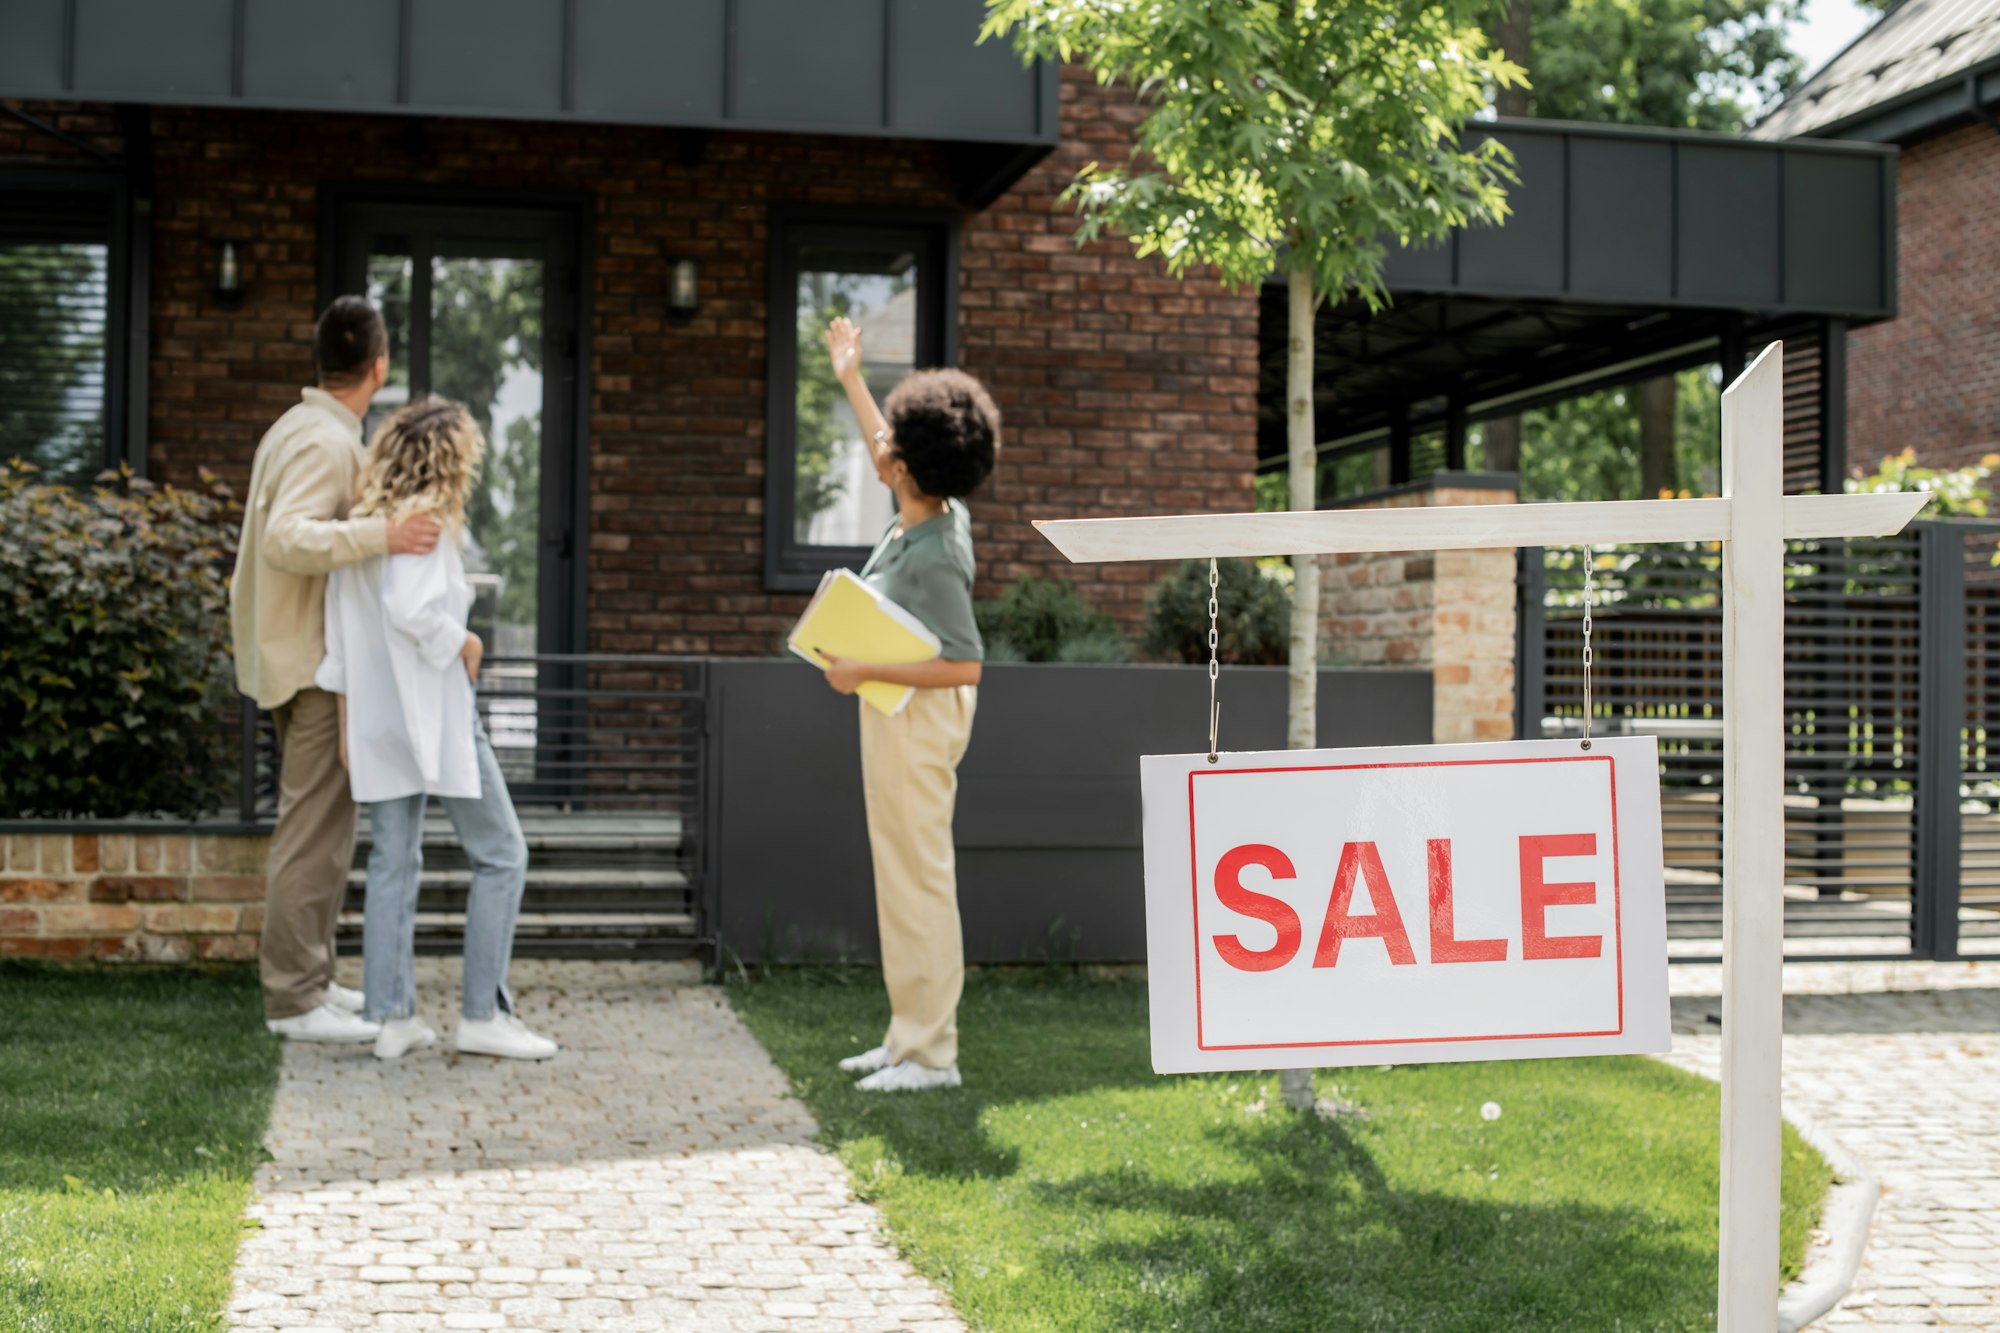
(480,308)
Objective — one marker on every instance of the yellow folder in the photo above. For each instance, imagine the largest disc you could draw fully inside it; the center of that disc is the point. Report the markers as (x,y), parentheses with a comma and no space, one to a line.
(848,618)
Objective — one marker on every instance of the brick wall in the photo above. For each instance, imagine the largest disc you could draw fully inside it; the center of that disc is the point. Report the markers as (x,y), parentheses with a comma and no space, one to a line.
(1930,378)
(1452,612)
(1123,391)
(163,898)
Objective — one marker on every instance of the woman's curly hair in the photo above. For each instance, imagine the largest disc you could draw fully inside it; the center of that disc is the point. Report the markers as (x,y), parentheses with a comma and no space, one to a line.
(423,459)
(946,430)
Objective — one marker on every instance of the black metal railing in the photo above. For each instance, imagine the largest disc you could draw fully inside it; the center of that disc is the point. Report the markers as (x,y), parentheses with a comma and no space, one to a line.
(1892,805)
(605,758)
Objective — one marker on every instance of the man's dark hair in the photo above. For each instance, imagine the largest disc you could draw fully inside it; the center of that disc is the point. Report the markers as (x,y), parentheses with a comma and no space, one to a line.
(946,431)
(347,339)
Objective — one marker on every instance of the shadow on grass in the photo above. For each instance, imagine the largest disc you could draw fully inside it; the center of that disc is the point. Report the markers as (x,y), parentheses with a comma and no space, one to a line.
(1321,1239)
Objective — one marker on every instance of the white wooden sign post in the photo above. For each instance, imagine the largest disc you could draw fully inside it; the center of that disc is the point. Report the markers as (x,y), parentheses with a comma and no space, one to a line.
(1752,521)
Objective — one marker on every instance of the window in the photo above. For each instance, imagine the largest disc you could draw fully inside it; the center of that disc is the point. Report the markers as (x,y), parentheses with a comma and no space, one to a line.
(894,275)
(60,326)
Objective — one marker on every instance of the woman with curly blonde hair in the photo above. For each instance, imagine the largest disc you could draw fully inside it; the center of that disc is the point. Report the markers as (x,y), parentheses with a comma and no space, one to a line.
(400,656)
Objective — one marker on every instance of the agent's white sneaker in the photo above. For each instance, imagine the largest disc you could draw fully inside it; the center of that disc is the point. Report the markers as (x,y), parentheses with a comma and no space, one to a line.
(400,1036)
(342,998)
(909,1076)
(325,1023)
(867,1062)
(505,1036)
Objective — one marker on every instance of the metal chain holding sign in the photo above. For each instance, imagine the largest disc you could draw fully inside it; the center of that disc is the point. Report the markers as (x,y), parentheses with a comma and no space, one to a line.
(1589,563)
(1214,661)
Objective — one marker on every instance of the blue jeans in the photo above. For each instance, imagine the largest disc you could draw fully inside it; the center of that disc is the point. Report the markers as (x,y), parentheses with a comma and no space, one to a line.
(491,835)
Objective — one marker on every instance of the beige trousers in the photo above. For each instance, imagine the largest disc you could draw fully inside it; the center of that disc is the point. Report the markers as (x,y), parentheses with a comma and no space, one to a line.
(312,849)
(909,774)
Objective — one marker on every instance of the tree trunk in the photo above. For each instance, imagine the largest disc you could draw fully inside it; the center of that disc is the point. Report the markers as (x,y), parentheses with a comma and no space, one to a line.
(1514,38)
(1656,437)
(1503,445)
(1302,730)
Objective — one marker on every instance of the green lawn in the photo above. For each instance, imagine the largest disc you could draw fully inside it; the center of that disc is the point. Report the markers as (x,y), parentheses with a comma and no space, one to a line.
(1067,1187)
(132,1109)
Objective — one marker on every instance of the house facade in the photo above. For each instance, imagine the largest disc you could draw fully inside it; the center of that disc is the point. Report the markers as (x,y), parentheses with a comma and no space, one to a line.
(626,292)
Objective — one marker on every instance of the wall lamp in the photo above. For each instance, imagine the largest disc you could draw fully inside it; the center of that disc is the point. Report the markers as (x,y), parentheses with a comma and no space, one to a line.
(683,290)
(228,278)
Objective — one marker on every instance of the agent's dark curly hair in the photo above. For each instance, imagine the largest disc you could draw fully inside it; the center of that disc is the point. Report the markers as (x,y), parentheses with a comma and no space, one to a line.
(946,430)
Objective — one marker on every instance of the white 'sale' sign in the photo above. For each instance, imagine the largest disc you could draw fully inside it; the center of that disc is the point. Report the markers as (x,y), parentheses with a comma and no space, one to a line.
(1405,904)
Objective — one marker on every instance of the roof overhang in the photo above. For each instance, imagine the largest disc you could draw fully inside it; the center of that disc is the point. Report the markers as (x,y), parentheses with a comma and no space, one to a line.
(910,69)
(1626,253)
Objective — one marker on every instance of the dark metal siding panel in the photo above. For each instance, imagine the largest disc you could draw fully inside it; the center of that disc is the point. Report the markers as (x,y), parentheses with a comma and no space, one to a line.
(1424,270)
(1833,233)
(487,55)
(818,64)
(986,94)
(659,60)
(1526,253)
(293,56)
(1048,819)
(1621,222)
(1728,221)
(31,47)
(141,49)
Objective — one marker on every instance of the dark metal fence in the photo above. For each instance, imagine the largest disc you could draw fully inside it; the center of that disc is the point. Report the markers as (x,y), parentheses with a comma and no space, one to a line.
(605,759)
(1892,801)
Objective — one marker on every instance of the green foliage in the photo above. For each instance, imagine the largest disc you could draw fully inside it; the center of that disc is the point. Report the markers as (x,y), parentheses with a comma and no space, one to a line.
(132,1124)
(1253,614)
(1955,493)
(115,670)
(52,360)
(1046,620)
(1587,448)
(1319,130)
(815,428)
(1068,1187)
(1688,64)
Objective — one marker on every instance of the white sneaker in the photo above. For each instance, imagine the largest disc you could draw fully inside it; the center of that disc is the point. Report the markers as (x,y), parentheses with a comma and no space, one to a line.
(505,1036)
(867,1062)
(342,998)
(400,1036)
(909,1076)
(325,1023)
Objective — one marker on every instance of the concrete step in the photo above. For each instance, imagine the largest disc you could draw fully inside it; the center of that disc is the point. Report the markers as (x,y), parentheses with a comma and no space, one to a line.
(553,879)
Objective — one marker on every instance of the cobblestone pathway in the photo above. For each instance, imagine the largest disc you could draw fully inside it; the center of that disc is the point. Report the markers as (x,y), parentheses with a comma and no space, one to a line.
(1901,1064)
(654,1176)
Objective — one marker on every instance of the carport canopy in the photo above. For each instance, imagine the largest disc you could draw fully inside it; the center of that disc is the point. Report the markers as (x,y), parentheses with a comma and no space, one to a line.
(1627,254)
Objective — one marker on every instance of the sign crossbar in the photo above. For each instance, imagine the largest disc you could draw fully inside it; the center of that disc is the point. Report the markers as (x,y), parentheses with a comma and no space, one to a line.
(1752,521)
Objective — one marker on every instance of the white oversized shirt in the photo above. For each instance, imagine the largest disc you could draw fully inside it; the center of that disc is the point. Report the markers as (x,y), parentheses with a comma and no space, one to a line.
(394,628)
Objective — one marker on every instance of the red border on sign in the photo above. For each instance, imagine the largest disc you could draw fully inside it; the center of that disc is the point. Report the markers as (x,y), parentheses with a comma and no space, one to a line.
(1617,902)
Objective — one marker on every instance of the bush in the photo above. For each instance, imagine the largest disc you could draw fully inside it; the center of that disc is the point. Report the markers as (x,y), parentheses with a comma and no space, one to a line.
(115,673)
(1043,620)
(1253,615)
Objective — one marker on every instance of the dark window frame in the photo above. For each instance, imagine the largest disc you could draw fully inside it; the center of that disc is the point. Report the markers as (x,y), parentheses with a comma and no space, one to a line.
(126,358)
(791,565)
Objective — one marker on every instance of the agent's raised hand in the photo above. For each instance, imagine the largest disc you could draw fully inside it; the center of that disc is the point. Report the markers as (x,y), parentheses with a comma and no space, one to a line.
(843,344)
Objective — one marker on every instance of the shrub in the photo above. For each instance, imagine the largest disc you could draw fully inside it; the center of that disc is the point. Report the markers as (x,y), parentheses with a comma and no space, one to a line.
(1253,615)
(115,673)
(1044,620)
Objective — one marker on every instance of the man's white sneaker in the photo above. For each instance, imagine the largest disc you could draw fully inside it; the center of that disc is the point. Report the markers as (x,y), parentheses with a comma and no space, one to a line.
(325,1023)
(400,1036)
(342,998)
(867,1062)
(505,1036)
(909,1076)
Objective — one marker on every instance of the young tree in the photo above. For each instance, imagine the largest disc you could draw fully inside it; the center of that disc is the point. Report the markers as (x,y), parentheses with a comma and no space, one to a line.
(1302,135)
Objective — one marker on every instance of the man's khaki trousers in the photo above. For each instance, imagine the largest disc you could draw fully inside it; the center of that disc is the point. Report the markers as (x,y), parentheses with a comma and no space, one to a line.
(909,774)
(312,849)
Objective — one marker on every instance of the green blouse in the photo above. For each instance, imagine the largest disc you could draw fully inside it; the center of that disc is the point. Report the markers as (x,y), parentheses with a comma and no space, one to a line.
(928,572)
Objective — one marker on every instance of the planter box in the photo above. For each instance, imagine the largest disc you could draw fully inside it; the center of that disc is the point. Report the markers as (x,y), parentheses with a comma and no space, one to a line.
(1048,828)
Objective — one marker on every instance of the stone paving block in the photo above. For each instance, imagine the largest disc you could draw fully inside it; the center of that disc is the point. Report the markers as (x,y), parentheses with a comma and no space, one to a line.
(655,1175)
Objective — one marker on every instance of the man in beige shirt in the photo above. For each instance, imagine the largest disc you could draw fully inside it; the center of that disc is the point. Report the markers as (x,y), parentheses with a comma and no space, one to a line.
(295,531)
